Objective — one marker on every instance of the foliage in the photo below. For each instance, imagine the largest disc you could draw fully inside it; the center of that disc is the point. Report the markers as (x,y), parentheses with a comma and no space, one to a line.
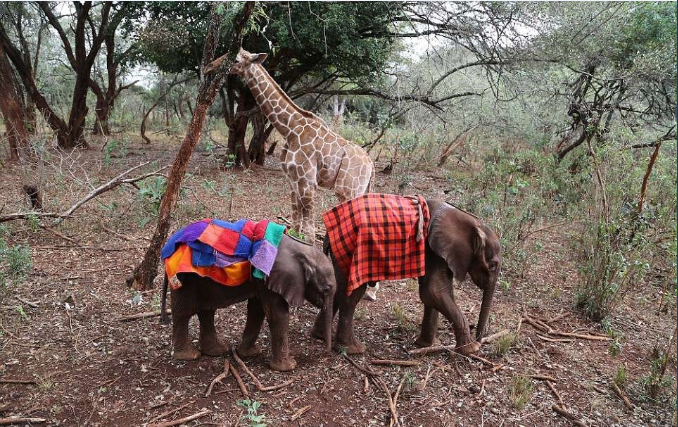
(151,192)
(621,377)
(252,417)
(521,391)
(15,260)
(504,344)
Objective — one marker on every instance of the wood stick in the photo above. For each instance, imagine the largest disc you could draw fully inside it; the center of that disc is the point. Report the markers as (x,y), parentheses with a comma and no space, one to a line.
(28,303)
(394,362)
(394,420)
(520,324)
(556,394)
(241,384)
(563,413)
(422,386)
(178,421)
(490,338)
(219,377)
(432,349)
(143,315)
(5,407)
(543,378)
(622,396)
(256,381)
(366,385)
(541,337)
(21,420)
(367,371)
(170,412)
(300,412)
(581,336)
(13,381)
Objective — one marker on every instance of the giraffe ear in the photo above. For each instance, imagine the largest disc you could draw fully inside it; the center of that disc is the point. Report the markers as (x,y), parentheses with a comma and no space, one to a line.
(258,58)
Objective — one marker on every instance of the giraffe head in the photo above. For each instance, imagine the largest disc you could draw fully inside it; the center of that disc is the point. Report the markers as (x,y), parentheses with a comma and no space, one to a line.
(244,60)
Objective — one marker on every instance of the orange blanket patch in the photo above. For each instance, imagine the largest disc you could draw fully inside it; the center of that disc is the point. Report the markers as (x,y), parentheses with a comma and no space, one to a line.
(180,262)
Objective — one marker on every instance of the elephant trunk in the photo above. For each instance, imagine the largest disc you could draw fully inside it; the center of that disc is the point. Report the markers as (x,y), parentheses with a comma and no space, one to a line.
(329,316)
(483,317)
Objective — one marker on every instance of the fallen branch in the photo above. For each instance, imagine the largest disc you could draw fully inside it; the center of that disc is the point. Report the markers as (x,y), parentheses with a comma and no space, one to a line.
(367,371)
(563,413)
(11,381)
(542,327)
(178,421)
(622,396)
(113,183)
(143,315)
(218,378)
(241,384)
(255,380)
(543,378)
(21,420)
(380,382)
(491,338)
(394,362)
(300,412)
(394,420)
(58,234)
(556,394)
(541,337)
(432,349)
(28,303)
(582,336)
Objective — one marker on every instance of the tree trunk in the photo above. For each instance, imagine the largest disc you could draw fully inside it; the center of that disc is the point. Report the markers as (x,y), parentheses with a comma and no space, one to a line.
(102,110)
(12,110)
(76,120)
(337,111)
(238,129)
(646,178)
(145,272)
(256,151)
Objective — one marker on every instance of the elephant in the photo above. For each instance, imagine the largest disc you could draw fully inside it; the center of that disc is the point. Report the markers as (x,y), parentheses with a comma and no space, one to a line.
(458,244)
(300,272)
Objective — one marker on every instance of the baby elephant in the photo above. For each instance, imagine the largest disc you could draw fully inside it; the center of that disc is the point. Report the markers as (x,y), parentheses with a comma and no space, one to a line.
(300,272)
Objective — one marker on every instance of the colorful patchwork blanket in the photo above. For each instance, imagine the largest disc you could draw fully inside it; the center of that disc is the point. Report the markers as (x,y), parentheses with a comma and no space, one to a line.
(378,237)
(223,251)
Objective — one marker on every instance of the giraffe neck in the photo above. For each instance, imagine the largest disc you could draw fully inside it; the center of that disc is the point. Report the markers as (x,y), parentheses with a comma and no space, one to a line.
(280,110)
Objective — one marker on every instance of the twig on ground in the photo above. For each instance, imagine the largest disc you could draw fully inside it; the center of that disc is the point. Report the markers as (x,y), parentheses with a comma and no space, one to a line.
(520,324)
(255,380)
(367,371)
(241,384)
(178,421)
(219,377)
(563,413)
(556,394)
(394,362)
(12,381)
(58,234)
(366,385)
(543,378)
(300,412)
(541,326)
(28,303)
(170,412)
(394,420)
(541,337)
(482,388)
(21,420)
(422,386)
(143,315)
(622,396)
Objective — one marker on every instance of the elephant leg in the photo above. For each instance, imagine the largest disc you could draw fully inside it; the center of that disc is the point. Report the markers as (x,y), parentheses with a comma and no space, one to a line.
(436,291)
(318,330)
(209,343)
(345,334)
(278,316)
(183,348)
(255,319)
(429,328)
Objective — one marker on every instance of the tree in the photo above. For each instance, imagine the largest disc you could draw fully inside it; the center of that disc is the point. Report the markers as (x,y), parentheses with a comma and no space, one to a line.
(12,109)
(310,43)
(69,133)
(146,271)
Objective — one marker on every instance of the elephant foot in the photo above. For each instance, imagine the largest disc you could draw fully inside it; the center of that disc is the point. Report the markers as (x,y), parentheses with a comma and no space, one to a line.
(283,365)
(353,347)
(426,342)
(251,351)
(189,353)
(468,349)
(214,348)
(317,332)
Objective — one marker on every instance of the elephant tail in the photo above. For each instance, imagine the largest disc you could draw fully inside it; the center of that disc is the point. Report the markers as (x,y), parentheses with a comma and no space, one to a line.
(164,318)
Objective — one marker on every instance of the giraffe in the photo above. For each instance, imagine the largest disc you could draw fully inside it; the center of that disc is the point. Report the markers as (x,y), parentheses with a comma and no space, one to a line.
(313,155)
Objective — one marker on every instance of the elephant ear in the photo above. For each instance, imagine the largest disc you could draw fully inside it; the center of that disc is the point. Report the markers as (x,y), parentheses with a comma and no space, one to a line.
(288,276)
(454,237)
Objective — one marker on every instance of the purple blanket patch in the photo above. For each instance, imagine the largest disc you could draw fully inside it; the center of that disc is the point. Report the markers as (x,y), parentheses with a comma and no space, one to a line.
(224,260)
(265,257)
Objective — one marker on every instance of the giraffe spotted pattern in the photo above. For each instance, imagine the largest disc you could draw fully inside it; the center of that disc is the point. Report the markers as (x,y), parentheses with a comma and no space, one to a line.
(313,154)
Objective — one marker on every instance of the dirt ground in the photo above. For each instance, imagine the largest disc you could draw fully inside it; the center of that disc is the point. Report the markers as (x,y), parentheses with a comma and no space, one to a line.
(84,367)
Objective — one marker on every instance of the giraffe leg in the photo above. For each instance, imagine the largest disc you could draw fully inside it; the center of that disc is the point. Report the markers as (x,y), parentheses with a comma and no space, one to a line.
(296,211)
(307,192)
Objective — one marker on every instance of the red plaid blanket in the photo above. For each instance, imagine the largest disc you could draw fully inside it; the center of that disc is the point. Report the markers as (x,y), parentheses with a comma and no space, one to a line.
(374,237)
